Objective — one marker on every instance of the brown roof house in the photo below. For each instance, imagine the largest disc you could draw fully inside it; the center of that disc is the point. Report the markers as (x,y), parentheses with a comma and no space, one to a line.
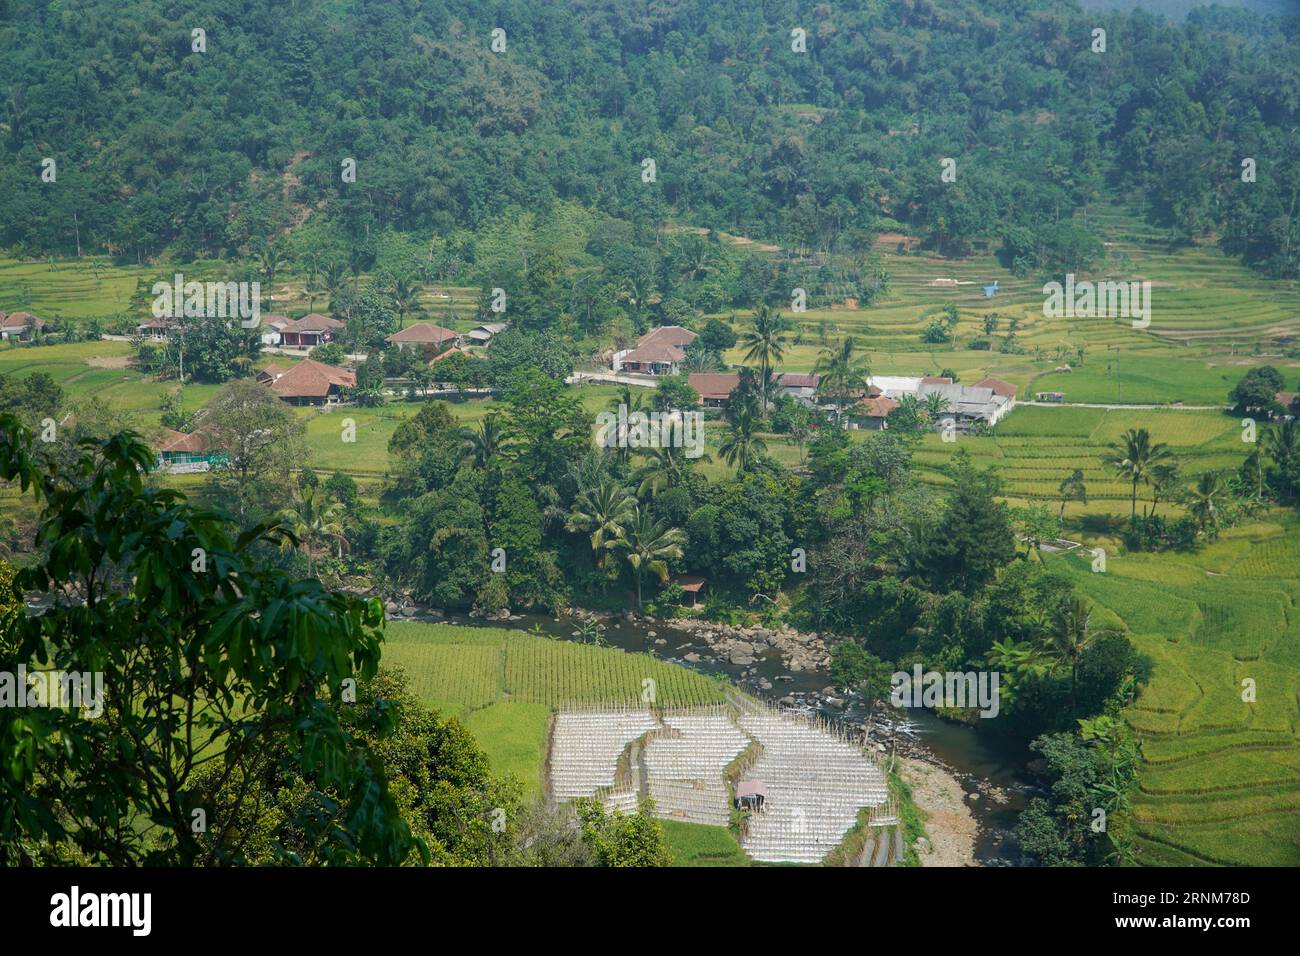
(714,388)
(655,358)
(659,352)
(272,326)
(313,383)
(871,413)
(268,375)
(180,453)
(998,387)
(673,335)
(310,331)
(425,335)
(799,384)
(19,325)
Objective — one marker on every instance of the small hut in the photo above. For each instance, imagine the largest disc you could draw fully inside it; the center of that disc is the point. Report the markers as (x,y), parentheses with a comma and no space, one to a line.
(691,585)
(751,795)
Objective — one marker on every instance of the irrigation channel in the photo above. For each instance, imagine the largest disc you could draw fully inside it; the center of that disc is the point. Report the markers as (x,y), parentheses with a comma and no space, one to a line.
(992,770)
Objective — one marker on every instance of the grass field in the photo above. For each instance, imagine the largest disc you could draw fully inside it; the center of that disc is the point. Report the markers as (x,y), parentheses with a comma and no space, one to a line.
(1220,781)
(693,844)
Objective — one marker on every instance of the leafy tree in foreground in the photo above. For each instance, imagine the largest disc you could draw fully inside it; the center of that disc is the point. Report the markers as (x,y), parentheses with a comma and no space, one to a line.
(207,659)
(619,839)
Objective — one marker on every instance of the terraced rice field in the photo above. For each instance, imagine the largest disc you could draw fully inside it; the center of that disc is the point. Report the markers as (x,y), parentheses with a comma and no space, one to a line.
(1034,448)
(461,668)
(1220,782)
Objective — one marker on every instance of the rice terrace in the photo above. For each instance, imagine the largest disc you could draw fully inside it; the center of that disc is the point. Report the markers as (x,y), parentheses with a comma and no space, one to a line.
(981,549)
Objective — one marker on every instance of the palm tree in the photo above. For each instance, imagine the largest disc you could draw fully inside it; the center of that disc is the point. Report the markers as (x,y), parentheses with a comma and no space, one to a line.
(742,444)
(487,441)
(270,256)
(649,544)
(935,405)
(1069,635)
(1134,458)
(602,512)
(1283,445)
(842,373)
(406,298)
(312,522)
(763,344)
(335,276)
(1206,499)
(632,401)
(665,467)
(1164,483)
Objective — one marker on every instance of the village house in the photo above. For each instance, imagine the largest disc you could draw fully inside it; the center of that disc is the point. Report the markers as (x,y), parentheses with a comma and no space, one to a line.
(272,327)
(156,330)
(871,413)
(180,453)
(659,352)
(269,375)
(426,336)
(309,331)
(714,388)
(799,385)
(653,359)
(313,383)
(20,326)
(968,405)
(485,333)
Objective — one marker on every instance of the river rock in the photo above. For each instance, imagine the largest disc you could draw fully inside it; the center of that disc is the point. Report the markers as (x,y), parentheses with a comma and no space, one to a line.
(661,641)
(786,702)
(923,845)
(692,657)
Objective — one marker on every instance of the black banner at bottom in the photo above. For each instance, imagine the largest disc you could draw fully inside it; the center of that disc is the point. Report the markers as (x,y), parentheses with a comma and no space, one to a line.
(211,906)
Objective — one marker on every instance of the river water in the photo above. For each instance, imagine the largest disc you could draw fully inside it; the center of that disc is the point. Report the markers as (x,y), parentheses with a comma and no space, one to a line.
(989,766)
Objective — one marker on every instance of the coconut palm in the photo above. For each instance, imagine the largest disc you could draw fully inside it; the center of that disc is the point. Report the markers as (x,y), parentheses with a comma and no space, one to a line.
(842,373)
(630,399)
(1069,635)
(1164,484)
(271,256)
(601,512)
(1283,446)
(665,467)
(1206,499)
(742,445)
(313,523)
(1134,457)
(763,344)
(487,441)
(935,404)
(649,545)
(406,298)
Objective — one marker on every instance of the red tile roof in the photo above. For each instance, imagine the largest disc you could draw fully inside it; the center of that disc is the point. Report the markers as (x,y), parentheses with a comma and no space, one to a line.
(715,385)
(424,333)
(878,407)
(181,442)
(673,335)
(315,322)
(655,352)
(20,320)
(936,380)
(1005,389)
(798,380)
(312,379)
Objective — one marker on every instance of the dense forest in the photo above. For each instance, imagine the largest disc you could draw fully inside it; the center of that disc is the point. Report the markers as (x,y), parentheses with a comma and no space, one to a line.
(168,144)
